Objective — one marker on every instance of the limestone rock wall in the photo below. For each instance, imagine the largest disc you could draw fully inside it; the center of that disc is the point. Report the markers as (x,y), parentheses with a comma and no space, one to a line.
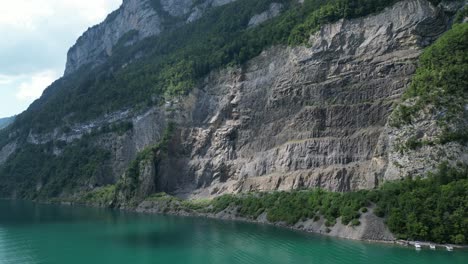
(310,116)
(304,117)
(140,16)
(96,44)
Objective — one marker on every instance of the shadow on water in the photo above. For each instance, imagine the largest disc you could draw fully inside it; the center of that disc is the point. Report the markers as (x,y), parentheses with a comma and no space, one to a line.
(152,239)
(26,213)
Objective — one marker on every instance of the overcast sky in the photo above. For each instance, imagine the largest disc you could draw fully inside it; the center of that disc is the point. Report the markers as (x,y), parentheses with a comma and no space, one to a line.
(35,36)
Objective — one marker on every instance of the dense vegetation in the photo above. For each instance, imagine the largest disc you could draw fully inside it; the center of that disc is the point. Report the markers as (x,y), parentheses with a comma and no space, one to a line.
(432,209)
(174,62)
(290,207)
(35,172)
(103,196)
(440,88)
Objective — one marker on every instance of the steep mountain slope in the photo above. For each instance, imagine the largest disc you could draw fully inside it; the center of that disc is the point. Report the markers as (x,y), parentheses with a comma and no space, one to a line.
(4,122)
(203,98)
(133,21)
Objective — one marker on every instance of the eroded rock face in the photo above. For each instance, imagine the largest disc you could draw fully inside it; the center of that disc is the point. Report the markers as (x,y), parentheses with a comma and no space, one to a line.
(273,11)
(137,16)
(304,117)
(6,151)
(404,161)
(291,118)
(96,44)
(147,130)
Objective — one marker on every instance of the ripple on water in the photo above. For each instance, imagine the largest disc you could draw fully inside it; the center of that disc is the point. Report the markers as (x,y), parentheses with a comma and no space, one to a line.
(15,248)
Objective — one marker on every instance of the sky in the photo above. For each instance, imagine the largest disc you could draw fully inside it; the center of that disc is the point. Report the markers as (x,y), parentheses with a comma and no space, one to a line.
(35,36)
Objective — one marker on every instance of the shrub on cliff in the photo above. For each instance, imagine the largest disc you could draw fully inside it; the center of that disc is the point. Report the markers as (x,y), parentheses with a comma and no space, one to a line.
(440,87)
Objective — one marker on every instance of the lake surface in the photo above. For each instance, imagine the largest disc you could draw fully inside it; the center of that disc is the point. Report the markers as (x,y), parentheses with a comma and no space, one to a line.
(33,233)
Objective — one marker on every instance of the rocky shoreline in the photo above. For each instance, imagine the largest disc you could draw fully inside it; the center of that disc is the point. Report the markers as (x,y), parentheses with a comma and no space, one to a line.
(372,228)
(369,223)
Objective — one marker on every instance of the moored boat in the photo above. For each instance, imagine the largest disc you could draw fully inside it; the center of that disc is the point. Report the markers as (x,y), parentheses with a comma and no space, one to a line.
(417,246)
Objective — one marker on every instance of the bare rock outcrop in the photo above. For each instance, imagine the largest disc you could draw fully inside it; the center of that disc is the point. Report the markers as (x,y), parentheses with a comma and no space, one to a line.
(141,19)
(273,11)
(302,117)
(96,44)
(292,118)
(305,117)
(6,151)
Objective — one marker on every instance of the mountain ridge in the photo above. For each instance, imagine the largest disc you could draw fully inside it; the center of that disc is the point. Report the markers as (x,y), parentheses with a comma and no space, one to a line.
(143,18)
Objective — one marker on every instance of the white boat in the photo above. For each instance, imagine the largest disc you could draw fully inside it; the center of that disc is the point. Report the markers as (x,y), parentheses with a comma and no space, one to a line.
(432,246)
(417,246)
(449,248)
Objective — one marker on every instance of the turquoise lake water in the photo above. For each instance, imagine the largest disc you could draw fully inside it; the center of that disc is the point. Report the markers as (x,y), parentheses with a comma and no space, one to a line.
(32,233)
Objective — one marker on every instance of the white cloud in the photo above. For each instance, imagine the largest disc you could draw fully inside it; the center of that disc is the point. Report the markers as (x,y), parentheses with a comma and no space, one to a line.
(8,79)
(33,87)
(29,14)
(93,11)
(22,13)
(35,37)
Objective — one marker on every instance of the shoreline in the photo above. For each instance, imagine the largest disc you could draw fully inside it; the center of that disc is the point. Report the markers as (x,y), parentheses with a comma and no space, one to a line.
(396,242)
(279,225)
(229,216)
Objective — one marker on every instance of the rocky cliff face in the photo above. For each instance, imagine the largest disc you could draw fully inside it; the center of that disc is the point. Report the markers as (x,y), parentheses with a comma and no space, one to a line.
(273,11)
(301,117)
(304,117)
(96,44)
(136,19)
(403,161)
(309,116)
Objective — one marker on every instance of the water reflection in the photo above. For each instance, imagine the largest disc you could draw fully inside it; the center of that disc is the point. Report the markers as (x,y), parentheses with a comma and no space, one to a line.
(31,233)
